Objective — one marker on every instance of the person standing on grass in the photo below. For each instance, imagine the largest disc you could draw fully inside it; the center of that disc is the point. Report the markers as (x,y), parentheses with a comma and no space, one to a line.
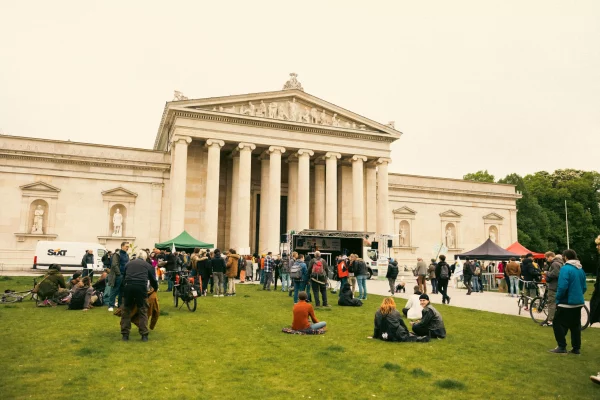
(233,260)
(468,275)
(555,263)
(285,272)
(218,267)
(319,271)
(513,270)
(302,310)
(442,270)
(299,274)
(391,275)
(269,266)
(431,323)
(361,272)
(277,270)
(136,276)
(342,271)
(569,301)
(117,267)
(351,275)
(432,278)
(421,274)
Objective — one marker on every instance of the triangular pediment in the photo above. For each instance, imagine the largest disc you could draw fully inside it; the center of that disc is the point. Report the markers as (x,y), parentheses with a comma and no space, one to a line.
(40,186)
(404,211)
(290,106)
(451,214)
(120,192)
(493,216)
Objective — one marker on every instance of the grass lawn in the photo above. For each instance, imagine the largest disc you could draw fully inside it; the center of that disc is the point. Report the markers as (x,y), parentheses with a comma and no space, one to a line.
(232,348)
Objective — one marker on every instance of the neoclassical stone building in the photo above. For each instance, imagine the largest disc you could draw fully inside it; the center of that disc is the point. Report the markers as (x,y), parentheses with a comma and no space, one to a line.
(239,171)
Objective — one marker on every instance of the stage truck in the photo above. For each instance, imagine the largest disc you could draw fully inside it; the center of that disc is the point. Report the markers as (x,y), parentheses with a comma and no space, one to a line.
(334,243)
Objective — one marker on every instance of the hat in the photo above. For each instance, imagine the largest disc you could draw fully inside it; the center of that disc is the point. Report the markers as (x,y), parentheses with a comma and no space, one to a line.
(424,297)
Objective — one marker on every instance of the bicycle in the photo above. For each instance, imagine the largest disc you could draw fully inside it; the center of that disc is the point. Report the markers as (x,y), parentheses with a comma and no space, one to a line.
(523,299)
(10,296)
(184,290)
(538,310)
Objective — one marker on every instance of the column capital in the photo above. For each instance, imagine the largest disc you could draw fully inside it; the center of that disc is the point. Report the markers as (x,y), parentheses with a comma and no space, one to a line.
(302,152)
(273,149)
(246,146)
(332,155)
(358,157)
(213,142)
(179,138)
(384,160)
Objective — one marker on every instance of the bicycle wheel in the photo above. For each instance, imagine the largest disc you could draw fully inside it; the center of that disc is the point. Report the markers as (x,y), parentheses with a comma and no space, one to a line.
(175,297)
(538,310)
(585,317)
(192,304)
(7,298)
(520,304)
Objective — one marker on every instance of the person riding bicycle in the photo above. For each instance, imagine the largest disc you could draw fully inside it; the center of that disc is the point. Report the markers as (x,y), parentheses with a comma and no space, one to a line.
(530,275)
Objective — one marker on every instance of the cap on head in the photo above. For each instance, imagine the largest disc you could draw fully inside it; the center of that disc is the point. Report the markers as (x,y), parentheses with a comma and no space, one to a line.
(424,297)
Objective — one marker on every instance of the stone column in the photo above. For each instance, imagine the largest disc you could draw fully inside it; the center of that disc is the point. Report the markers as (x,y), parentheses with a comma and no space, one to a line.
(211,215)
(358,201)
(292,207)
(331,190)
(264,203)
(244,182)
(234,215)
(383,226)
(179,150)
(319,194)
(371,197)
(274,198)
(303,214)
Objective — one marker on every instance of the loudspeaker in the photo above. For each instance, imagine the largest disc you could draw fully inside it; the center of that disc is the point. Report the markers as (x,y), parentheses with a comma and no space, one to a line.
(390,243)
(284,238)
(375,245)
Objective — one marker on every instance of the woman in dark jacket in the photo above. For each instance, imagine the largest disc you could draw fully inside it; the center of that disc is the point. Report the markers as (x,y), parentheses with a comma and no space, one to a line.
(203,266)
(389,325)
(347,297)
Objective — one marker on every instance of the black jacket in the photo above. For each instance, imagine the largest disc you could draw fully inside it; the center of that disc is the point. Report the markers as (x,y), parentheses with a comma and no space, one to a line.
(438,270)
(553,271)
(139,271)
(203,265)
(432,320)
(392,272)
(360,268)
(529,272)
(390,327)
(218,264)
(87,259)
(468,270)
(347,297)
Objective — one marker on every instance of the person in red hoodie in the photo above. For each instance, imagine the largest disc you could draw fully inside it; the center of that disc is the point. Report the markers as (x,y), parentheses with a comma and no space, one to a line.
(342,273)
(302,310)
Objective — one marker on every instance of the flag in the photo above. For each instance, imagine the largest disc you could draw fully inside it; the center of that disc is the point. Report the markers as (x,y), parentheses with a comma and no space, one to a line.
(173,248)
(458,271)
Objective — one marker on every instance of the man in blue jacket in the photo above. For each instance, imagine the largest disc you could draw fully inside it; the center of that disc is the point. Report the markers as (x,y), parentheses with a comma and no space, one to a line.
(569,301)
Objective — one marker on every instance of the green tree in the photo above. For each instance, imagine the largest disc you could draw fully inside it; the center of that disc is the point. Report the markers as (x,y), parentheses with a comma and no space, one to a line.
(479,176)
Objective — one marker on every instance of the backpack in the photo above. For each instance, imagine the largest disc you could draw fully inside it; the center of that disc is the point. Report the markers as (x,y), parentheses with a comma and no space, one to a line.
(100,300)
(296,271)
(77,300)
(477,271)
(444,273)
(317,268)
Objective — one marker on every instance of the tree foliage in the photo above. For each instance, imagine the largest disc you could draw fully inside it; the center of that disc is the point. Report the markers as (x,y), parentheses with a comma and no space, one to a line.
(479,176)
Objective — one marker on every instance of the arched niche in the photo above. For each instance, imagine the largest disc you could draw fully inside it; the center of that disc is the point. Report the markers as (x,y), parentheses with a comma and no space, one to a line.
(450,238)
(44,208)
(493,233)
(123,211)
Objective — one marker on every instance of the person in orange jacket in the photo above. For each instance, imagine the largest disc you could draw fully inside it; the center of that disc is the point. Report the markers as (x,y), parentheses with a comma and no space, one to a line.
(342,273)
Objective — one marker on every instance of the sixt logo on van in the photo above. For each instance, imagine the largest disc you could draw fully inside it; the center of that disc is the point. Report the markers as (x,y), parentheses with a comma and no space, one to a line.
(57,252)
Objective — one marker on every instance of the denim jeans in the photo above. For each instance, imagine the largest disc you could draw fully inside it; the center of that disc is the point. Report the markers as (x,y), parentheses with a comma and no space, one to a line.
(285,282)
(514,285)
(362,286)
(218,283)
(475,282)
(434,285)
(114,291)
(298,287)
(107,291)
(318,325)
(268,279)
(169,282)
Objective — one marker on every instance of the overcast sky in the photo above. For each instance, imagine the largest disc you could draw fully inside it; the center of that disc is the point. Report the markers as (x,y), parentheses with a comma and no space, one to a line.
(508,86)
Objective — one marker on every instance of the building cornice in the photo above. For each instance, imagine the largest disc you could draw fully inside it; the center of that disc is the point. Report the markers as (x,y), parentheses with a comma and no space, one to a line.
(454,192)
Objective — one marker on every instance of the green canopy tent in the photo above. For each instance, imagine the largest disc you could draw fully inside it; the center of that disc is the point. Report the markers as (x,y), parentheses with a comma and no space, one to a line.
(183,242)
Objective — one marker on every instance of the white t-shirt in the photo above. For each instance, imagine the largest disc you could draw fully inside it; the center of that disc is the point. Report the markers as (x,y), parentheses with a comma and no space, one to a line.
(415,310)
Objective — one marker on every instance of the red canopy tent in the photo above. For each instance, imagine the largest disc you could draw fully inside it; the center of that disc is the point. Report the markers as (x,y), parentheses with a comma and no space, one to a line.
(518,248)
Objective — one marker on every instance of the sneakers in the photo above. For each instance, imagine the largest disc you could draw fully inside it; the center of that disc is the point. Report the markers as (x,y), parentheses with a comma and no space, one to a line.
(576,352)
(221,295)
(110,309)
(144,338)
(525,308)
(448,299)
(546,323)
(558,350)
(596,378)
(215,295)
(125,338)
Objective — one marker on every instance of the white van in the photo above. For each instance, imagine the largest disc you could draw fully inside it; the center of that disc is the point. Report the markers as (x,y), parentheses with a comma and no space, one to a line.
(66,254)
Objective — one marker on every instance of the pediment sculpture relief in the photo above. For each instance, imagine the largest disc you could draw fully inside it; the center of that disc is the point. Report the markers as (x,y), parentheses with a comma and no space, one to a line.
(290,110)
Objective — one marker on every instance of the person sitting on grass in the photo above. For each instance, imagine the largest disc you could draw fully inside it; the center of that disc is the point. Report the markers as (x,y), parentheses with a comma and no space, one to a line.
(431,323)
(347,297)
(390,326)
(74,281)
(302,310)
(413,307)
(52,287)
(83,295)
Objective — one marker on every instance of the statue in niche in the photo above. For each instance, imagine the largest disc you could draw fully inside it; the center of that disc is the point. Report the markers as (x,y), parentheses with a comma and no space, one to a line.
(493,236)
(261,111)
(323,117)
(314,116)
(335,121)
(305,117)
(273,110)
(282,112)
(449,238)
(251,110)
(402,236)
(117,223)
(293,106)
(38,221)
